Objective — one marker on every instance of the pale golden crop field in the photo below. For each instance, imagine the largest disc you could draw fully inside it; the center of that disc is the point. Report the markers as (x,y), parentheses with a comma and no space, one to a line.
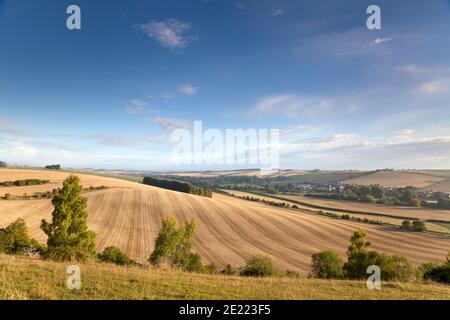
(229,231)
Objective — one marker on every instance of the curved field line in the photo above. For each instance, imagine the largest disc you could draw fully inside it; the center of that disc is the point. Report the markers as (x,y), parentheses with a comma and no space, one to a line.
(229,230)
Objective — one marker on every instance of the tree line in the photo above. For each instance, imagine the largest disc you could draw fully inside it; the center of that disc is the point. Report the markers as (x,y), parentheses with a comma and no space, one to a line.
(178,186)
(24,182)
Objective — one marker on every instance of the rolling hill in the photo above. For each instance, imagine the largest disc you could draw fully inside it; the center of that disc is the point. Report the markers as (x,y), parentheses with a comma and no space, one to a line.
(230,230)
(388,178)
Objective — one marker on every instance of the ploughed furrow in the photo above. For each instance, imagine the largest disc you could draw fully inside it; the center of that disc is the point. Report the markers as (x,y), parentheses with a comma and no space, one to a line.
(229,230)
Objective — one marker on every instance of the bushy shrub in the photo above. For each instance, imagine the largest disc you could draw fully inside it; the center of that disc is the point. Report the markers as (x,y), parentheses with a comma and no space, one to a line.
(115,255)
(416,225)
(8,196)
(406,225)
(419,226)
(359,259)
(259,266)
(174,244)
(327,264)
(395,268)
(228,270)
(439,274)
(292,274)
(424,269)
(15,238)
(211,268)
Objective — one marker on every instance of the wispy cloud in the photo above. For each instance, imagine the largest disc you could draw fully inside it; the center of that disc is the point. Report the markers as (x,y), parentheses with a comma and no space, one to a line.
(402,149)
(172,34)
(128,140)
(140,109)
(416,69)
(188,89)
(435,87)
(291,105)
(381,40)
(276,12)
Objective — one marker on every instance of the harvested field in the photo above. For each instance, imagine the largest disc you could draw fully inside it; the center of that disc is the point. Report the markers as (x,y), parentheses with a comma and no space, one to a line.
(440,186)
(395,211)
(230,230)
(389,215)
(56,178)
(395,179)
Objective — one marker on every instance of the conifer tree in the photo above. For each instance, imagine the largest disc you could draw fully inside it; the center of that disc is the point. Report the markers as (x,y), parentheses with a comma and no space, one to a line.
(68,234)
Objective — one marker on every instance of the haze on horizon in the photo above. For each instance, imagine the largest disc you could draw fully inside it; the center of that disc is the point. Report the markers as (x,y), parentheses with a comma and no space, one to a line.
(109,96)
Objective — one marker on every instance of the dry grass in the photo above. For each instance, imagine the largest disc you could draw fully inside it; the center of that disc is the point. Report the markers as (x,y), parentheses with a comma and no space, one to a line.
(23,278)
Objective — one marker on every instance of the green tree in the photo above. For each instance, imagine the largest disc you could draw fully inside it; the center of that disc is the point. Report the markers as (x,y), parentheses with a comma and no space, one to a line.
(2,164)
(327,264)
(368,199)
(414,202)
(174,244)
(377,191)
(407,225)
(419,226)
(68,234)
(358,258)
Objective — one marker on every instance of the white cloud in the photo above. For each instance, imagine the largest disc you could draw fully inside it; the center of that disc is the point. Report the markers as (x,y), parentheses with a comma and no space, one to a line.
(138,103)
(435,87)
(276,12)
(351,42)
(291,105)
(171,33)
(171,124)
(403,149)
(147,114)
(139,107)
(128,140)
(424,70)
(188,89)
(381,40)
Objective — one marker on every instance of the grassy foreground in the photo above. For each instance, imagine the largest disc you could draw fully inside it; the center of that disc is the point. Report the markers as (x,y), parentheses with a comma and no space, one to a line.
(25,278)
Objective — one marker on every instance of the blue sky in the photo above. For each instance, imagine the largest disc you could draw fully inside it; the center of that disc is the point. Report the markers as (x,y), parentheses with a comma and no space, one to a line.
(108,95)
